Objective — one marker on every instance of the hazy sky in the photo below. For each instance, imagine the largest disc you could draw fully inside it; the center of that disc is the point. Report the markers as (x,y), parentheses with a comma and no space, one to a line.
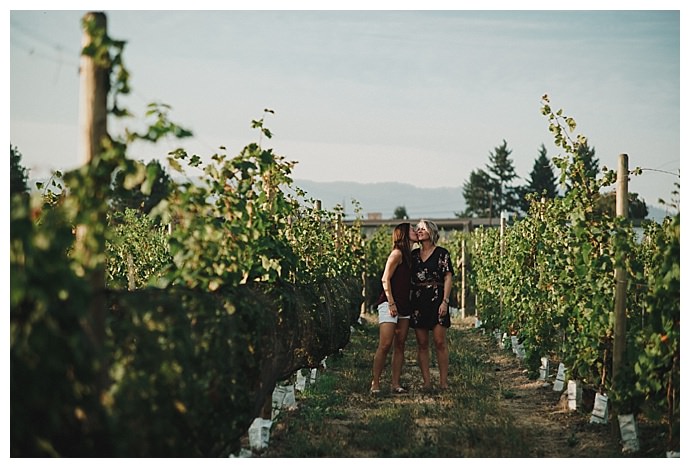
(421,97)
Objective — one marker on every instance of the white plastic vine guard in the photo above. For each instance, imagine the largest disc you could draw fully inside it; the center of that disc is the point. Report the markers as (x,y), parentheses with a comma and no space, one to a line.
(283,398)
(628,427)
(559,383)
(300,381)
(600,412)
(259,433)
(574,394)
(544,369)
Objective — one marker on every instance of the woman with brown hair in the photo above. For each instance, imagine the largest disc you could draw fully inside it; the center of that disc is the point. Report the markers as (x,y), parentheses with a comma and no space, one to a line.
(394,307)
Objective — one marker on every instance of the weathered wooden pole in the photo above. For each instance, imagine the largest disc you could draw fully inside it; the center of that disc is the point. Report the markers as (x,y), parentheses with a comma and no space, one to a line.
(619,318)
(502,250)
(363,305)
(93,102)
(338,231)
(620,273)
(94,79)
(463,278)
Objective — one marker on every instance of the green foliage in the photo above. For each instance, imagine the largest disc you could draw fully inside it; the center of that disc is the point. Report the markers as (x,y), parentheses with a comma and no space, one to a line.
(236,225)
(18,173)
(657,365)
(137,250)
(590,164)
(53,361)
(637,208)
(377,249)
(542,181)
(400,212)
(245,206)
(140,186)
(489,192)
(52,191)
(249,286)
(454,243)
(550,280)
(478,195)
(183,371)
(502,170)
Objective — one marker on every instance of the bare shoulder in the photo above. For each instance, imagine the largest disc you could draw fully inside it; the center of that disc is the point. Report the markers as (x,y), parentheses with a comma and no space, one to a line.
(396,255)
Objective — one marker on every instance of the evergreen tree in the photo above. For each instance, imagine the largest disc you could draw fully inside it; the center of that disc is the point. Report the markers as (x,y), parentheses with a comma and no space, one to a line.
(18,175)
(478,194)
(505,195)
(400,213)
(590,163)
(133,197)
(586,154)
(543,181)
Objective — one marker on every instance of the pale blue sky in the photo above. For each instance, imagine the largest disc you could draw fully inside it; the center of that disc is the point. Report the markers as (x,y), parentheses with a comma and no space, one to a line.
(421,97)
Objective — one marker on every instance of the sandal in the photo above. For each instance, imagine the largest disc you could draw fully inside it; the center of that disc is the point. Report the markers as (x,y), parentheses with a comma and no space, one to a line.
(399,390)
(374,392)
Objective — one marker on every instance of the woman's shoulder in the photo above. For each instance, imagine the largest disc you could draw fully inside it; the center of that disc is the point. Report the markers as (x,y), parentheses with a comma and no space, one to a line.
(396,254)
(438,250)
(442,250)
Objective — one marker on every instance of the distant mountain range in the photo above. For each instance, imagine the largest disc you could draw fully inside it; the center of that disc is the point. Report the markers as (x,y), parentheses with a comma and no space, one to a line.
(384,197)
(381,199)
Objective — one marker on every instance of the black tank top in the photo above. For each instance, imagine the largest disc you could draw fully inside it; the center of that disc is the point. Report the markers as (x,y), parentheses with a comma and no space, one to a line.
(400,284)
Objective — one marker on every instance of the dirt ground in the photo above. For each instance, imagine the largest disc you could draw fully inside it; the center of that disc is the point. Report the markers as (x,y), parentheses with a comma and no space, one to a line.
(536,409)
(563,433)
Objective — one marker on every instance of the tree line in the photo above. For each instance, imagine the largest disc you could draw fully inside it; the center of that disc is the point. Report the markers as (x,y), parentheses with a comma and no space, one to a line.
(491,190)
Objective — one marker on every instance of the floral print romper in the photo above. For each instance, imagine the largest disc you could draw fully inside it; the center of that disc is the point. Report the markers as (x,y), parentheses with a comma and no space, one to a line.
(427,288)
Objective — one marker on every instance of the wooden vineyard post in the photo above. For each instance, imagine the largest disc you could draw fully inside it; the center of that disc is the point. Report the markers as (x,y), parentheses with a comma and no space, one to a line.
(94,78)
(363,306)
(338,231)
(93,85)
(619,326)
(462,277)
(502,241)
(620,273)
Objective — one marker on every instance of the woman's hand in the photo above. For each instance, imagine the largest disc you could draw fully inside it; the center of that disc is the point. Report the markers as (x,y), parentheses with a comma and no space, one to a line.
(443,309)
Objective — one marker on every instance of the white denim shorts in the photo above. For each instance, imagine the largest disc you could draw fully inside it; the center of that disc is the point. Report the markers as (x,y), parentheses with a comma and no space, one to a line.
(385,315)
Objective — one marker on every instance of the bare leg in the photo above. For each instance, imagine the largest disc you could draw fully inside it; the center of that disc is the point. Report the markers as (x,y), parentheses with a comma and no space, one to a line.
(441,354)
(423,355)
(399,351)
(386,334)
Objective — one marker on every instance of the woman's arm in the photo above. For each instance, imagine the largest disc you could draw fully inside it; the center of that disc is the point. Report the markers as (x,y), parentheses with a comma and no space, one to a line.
(392,263)
(447,286)
(445,302)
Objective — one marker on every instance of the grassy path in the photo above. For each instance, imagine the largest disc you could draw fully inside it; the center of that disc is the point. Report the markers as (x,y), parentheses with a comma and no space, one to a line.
(491,410)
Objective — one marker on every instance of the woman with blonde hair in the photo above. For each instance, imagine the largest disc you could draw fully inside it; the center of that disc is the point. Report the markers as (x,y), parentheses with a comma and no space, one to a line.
(432,279)
(394,308)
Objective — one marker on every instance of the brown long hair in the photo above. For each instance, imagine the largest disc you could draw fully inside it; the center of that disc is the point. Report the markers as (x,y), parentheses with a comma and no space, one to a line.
(401,241)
